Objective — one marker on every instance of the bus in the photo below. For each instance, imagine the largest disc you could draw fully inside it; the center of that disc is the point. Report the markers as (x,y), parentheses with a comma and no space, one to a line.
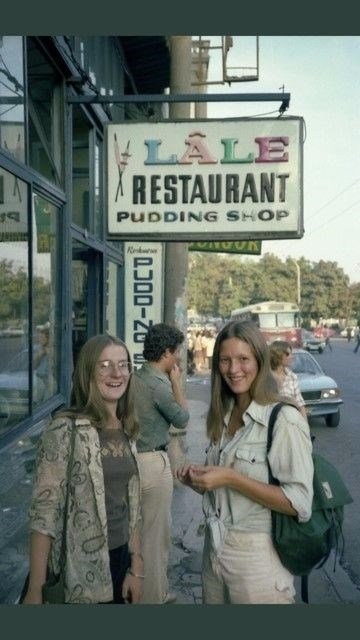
(276,320)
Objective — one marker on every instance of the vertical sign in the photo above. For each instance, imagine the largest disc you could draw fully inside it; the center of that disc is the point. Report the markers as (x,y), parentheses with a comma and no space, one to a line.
(143,293)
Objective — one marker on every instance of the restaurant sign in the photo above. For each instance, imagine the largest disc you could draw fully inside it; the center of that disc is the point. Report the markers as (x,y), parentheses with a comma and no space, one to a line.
(238,179)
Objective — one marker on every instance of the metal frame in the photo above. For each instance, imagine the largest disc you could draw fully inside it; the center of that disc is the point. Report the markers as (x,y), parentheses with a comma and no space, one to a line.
(284,98)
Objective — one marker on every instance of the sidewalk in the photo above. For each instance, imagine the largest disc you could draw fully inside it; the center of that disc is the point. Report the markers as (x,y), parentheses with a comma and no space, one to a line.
(325,585)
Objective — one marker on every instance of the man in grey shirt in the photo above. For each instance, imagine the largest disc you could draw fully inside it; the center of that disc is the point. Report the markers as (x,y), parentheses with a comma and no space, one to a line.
(160,403)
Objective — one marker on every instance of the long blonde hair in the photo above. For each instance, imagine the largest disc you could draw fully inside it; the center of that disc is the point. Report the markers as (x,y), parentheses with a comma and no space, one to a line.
(85,399)
(263,389)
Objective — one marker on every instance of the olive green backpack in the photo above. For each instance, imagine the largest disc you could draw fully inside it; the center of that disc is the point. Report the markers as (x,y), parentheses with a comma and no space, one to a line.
(303,546)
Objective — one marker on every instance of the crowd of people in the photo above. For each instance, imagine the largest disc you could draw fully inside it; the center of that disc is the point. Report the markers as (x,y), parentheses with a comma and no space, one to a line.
(103,470)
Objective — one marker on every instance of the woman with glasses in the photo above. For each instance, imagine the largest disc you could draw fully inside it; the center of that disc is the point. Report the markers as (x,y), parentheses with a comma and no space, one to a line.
(103,561)
(280,359)
(240,563)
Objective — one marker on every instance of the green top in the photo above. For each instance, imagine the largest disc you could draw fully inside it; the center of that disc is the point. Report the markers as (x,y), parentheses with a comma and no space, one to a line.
(156,408)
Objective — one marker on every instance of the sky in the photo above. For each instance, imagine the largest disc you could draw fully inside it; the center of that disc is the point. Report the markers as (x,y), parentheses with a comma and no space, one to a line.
(321,74)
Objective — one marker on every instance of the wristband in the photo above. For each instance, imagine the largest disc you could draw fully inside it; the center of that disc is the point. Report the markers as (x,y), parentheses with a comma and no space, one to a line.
(136,575)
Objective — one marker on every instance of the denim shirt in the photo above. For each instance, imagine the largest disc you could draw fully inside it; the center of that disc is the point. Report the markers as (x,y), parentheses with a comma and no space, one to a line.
(87,568)
(290,460)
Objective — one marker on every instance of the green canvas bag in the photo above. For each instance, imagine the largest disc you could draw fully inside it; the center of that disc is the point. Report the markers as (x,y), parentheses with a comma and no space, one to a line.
(303,546)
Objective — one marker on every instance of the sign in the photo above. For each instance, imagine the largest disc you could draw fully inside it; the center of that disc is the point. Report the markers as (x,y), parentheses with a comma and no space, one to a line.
(143,293)
(236,179)
(230,246)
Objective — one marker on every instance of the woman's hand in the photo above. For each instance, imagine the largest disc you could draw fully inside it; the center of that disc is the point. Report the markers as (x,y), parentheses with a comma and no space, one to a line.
(132,589)
(207,478)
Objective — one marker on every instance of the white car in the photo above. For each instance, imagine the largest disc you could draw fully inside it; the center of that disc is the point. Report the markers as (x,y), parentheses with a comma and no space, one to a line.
(320,392)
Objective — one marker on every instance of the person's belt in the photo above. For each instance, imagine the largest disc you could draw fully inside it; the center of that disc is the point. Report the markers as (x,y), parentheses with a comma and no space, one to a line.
(161,447)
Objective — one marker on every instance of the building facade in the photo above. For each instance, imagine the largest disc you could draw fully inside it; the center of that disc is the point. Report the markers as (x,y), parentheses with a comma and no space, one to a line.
(61,280)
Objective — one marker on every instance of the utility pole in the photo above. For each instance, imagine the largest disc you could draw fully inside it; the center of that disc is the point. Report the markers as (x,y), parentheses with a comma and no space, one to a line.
(176,253)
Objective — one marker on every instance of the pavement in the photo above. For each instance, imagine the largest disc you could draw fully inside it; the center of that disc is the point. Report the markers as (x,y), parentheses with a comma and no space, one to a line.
(326,586)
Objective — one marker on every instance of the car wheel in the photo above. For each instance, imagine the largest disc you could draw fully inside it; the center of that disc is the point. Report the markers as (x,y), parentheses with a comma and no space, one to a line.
(320,349)
(333,419)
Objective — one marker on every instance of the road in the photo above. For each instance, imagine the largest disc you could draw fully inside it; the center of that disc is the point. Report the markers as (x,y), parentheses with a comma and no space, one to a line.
(341,445)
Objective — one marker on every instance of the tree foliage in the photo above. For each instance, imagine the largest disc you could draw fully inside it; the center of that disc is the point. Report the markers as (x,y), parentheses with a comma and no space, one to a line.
(219,283)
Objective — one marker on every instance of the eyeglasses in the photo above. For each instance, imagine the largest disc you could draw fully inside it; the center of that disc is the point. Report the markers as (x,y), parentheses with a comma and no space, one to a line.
(104,366)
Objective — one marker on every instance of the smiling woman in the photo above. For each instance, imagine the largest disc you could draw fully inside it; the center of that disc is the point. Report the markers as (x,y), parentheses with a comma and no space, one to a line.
(240,563)
(105,488)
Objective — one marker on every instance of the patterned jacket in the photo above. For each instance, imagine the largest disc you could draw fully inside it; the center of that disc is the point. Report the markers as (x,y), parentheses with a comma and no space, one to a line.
(87,573)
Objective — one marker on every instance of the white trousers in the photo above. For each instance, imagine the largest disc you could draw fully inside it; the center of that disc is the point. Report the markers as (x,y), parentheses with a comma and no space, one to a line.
(247,570)
(156,496)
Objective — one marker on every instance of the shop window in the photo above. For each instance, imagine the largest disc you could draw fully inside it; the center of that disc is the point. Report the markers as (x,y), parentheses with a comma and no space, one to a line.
(12,112)
(14,301)
(45,99)
(81,170)
(46,300)
(87,294)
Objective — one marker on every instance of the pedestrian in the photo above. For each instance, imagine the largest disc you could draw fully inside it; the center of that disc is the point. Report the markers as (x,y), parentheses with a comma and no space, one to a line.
(103,547)
(326,335)
(240,563)
(198,355)
(287,381)
(210,348)
(160,403)
(357,339)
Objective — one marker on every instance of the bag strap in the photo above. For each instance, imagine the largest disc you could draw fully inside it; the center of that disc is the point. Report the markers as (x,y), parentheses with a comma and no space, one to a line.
(68,477)
(273,415)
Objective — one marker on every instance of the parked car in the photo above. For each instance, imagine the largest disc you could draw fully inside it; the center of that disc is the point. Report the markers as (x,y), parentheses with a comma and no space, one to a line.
(320,392)
(311,342)
(14,389)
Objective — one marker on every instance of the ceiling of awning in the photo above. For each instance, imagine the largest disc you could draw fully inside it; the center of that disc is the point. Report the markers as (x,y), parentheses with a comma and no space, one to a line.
(148,58)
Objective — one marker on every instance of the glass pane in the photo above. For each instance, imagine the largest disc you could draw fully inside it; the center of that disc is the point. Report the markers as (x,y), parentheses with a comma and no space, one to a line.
(45,115)
(45,300)
(81,170)
(98,191)
(80,281)
(267,320)
(14,310)
(111,301)
(12,127)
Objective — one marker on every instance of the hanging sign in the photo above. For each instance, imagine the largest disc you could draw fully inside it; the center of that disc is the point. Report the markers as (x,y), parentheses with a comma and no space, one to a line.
(228,179)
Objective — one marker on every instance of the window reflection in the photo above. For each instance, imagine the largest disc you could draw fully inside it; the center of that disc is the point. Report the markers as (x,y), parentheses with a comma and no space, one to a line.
(81,169)
(14,310)
(45,298)
(12,120)
(45,114)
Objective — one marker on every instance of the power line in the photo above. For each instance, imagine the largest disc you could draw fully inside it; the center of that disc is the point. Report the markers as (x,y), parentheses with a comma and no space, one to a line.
(333,218)
(334,198)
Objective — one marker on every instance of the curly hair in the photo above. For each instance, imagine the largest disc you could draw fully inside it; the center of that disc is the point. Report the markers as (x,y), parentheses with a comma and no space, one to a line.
(85,398)
(264,388)
(159,338)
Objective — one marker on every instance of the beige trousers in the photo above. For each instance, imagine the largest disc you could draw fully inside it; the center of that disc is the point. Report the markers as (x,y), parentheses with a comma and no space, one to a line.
(247,570)
(156,496)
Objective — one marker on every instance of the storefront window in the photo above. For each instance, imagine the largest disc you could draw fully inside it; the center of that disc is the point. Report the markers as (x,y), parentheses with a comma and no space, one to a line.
(12,118)
(45,114)
(14,300)
(81,170)
(45,300)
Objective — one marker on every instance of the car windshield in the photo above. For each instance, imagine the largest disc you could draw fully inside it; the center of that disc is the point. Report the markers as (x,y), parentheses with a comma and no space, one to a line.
(305,363)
